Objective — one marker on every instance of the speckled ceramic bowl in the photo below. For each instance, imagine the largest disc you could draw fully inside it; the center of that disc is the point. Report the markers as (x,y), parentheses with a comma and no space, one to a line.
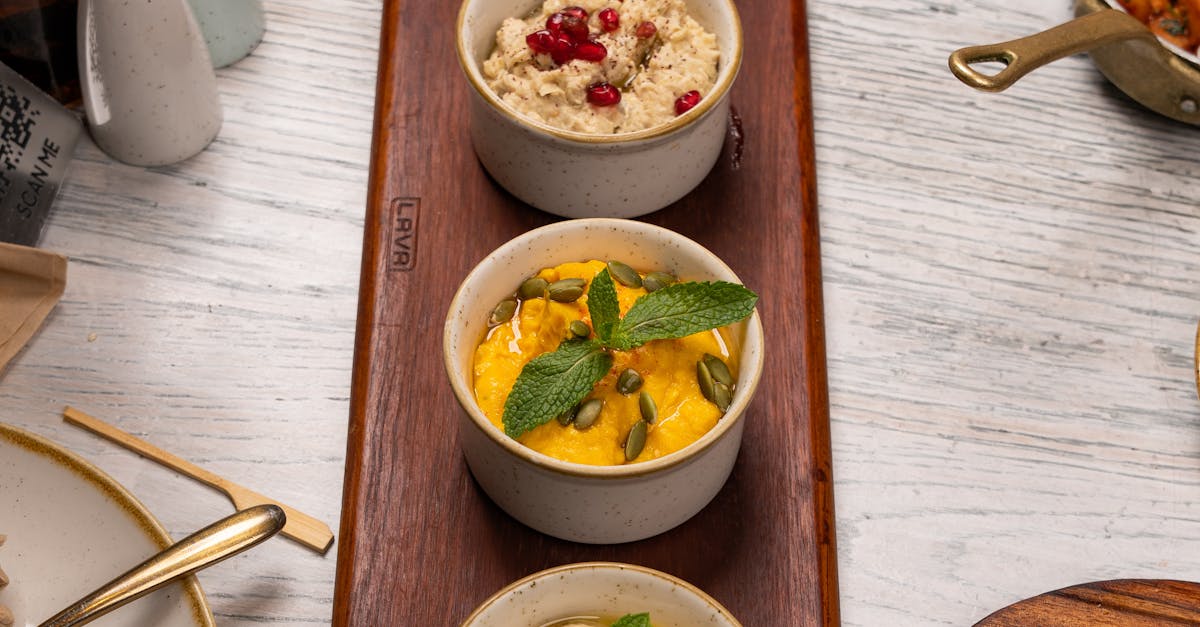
(593,504)
(579,175)
(600,589)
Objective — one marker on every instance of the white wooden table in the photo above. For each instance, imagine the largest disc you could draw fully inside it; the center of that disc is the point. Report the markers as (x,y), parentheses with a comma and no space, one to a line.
(210,305)
(1012,290)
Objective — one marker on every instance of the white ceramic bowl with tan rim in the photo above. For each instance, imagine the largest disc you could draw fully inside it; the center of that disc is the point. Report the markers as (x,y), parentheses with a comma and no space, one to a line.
(606,589)
(580,175)
(579,502)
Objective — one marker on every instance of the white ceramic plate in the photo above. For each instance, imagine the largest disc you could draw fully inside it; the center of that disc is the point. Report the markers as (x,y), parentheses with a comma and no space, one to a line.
(71,528)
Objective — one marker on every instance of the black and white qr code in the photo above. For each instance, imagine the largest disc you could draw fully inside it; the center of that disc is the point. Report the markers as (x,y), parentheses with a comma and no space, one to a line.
(17,120)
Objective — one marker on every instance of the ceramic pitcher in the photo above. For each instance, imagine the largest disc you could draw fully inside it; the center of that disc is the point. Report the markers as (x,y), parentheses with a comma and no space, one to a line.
(148,85)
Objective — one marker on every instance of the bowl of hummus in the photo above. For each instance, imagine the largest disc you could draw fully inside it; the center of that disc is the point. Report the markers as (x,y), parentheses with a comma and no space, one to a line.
(599,108)
(601,594)
(655,448)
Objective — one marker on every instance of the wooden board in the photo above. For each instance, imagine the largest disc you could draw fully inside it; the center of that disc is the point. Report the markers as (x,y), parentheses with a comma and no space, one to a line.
(420,543)
(1117,603)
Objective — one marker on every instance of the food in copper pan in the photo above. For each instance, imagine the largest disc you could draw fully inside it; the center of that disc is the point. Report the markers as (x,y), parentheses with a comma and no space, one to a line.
(1177,21)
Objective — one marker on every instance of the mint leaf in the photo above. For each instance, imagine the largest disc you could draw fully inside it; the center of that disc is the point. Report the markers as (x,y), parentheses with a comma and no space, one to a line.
(552,383)
(633,620)
(603,306)
(680,310)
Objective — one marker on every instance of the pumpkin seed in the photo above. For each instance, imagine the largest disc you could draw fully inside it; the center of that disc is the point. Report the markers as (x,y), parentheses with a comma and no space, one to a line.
(649,409)
(722,396)
(629,381)
(705,379)
(503,312)
(624,275)
(566,290)
(566,417)
(533,287)
(636,441)
(588,412)
(718,369)
(579,328)
(656,281)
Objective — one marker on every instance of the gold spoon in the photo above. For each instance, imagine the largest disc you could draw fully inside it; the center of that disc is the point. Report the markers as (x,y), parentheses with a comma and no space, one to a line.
(223,539)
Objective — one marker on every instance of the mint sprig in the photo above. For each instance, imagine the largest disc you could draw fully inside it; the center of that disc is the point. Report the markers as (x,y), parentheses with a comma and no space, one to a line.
(603,307)
(633,620)
(680,310)
(552,383)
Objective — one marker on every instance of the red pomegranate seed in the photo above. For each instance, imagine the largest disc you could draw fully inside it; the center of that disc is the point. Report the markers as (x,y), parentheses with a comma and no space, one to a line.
(554,22)
(575,27)
(578,12)
(591,51)
(603,95)
(609,20)
(540,42)
(564,49)
(646,30)
(684,103)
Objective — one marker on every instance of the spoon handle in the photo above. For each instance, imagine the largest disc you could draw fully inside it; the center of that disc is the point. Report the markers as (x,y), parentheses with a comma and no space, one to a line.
(1021,56)
(218,541)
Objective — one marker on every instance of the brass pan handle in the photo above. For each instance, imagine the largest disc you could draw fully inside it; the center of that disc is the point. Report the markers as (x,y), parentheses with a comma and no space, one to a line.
(1021,56)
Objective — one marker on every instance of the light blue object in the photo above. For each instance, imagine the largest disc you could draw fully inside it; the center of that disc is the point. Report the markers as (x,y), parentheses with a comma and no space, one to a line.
(232,28)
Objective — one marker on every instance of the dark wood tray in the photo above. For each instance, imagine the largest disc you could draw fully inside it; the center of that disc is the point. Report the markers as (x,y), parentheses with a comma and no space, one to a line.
(420,543)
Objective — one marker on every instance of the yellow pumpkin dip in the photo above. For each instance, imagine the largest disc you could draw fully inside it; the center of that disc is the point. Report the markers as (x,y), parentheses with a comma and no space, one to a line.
(667,367)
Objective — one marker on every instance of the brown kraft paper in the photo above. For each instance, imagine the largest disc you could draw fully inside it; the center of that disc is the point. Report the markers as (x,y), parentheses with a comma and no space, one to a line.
(31,282)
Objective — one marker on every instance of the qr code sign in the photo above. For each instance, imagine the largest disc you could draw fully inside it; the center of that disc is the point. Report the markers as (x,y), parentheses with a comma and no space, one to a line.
(17,119)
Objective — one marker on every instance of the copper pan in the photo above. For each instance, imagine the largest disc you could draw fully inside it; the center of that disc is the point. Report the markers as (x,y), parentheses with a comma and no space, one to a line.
(1157,74)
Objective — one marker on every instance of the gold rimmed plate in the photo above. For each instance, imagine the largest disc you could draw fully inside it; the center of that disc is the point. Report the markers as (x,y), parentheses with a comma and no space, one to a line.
(70,528)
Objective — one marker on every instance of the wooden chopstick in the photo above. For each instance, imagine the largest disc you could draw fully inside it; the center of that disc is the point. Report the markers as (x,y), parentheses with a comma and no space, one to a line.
(300,527)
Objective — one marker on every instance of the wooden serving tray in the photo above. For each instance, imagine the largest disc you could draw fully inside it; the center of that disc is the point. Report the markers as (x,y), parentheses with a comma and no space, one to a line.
(420,543)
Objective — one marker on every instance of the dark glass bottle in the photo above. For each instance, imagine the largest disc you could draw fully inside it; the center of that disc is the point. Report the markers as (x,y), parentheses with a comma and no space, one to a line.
(37,39)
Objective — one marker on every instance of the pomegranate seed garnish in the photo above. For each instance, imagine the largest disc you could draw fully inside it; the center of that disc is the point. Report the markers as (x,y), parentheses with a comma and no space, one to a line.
(554,22)
(575,27)
(684,103)
(564,49)
(578,12)
(609,20)
(591,51)
(646,30)
(540,42)
(603,94)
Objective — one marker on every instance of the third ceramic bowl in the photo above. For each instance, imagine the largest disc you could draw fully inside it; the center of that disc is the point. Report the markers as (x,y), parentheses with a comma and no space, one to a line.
(600,589)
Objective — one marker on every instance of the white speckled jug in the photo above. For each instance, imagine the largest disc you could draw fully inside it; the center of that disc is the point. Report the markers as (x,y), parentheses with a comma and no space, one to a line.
(148,84)
(232,28)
